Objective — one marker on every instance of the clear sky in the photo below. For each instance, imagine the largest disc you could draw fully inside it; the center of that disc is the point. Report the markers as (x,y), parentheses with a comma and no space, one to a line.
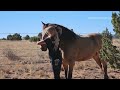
(29,22)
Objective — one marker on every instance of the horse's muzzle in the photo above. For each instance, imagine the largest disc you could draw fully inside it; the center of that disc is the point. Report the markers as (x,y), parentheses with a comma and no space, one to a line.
(44,47)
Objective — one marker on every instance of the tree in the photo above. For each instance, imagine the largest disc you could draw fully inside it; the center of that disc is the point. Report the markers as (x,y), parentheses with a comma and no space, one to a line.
(17,36)
(40,35)
(116,22)
(108,51)
(107,34)
(72,30)
(9,37)
(27,37)
(3,38)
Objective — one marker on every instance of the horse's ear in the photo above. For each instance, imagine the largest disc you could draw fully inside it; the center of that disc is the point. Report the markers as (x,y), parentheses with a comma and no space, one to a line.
(43,23)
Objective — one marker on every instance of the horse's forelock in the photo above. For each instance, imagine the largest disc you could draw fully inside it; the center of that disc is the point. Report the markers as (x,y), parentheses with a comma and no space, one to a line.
(57,27)
(50,27)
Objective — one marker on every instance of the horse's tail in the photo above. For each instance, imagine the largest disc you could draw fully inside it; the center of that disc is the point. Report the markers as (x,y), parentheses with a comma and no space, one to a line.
(97,38)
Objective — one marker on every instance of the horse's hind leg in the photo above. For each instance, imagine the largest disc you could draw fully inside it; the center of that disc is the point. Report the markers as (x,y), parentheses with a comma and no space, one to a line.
(105,69)
(102,64)
(98,61)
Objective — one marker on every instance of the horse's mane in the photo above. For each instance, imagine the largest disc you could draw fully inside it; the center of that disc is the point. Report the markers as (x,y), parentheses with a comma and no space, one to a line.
(67,34)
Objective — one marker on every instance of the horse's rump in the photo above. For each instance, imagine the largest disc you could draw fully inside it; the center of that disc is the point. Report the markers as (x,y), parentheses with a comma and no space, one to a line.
(97,38)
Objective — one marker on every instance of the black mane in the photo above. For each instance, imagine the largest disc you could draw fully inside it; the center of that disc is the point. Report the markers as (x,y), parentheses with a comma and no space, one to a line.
(67,34)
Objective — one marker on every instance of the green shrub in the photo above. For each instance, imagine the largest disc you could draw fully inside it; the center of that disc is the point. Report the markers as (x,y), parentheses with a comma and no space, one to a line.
(27,37)
(34,39)
(109,52)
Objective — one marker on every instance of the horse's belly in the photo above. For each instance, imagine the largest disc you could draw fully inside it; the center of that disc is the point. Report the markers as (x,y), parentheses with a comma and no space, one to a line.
(83,59)
(83,56)
(79,53)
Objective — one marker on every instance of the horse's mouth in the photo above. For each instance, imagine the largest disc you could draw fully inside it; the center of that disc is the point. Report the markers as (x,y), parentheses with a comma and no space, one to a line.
(43,47)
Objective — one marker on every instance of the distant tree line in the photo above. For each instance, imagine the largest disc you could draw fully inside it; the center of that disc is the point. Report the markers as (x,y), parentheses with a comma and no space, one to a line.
(17,37)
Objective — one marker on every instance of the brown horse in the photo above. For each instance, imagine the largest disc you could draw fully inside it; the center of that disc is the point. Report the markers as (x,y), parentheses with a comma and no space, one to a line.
(76,48)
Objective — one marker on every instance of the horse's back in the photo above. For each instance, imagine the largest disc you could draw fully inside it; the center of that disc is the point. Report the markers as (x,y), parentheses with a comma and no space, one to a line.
(87,46)
(92,38)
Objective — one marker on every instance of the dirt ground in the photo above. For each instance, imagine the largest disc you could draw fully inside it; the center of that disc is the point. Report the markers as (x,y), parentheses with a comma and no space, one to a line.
(25,60)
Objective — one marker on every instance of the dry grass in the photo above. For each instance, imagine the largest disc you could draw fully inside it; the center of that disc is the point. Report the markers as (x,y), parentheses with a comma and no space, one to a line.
(24,60)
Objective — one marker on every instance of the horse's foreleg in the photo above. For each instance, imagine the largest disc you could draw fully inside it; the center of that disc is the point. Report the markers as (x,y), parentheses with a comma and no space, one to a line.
(66,69)
(71,65)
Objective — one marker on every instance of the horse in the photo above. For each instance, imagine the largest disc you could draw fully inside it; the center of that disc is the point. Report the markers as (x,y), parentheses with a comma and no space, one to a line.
(76,48)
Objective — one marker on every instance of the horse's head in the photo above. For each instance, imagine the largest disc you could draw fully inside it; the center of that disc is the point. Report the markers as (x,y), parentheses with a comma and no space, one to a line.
(51,30)
(43,47)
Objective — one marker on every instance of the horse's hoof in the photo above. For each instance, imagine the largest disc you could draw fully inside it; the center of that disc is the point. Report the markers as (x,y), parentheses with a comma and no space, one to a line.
(106,77)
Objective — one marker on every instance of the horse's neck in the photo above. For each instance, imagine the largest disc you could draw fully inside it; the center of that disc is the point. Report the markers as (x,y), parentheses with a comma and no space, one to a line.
(67,38)
(64,43)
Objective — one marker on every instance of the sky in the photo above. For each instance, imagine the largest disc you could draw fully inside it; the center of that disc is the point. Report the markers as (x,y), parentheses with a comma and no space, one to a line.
(29,22)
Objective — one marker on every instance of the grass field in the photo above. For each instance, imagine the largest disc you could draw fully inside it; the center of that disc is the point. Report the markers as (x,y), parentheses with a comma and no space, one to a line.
(25,60)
